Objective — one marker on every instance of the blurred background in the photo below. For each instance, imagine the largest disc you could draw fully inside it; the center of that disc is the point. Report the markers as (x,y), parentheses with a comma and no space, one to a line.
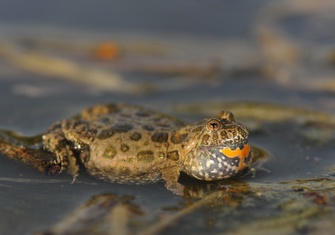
(73,54)
(272,63)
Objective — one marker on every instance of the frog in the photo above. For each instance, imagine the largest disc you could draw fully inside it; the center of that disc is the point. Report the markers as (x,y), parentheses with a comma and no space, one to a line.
(132,144)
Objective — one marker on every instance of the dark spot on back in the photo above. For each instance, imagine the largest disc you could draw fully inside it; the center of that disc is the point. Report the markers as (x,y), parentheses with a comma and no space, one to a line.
(123,128)
(105,134)
(173,155)
(135,136)
(124,148)
(145,156)
(160,137)
(109,152)
(178,138)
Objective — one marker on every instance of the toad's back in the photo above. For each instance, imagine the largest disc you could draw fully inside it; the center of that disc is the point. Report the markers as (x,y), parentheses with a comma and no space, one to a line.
(130,144)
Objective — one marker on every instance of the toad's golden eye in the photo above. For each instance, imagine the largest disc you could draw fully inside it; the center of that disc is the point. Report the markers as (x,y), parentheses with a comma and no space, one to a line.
(213,125)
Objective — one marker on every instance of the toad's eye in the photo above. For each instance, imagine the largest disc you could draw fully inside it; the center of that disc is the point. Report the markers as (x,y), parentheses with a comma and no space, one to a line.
(213,125)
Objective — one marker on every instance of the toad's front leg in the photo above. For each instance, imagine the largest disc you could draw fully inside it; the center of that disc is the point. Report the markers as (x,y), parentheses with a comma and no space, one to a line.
(171,175)
(55,142)
(27,151)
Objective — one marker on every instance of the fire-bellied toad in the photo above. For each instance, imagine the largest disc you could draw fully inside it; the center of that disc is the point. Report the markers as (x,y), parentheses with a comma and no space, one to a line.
(131,144)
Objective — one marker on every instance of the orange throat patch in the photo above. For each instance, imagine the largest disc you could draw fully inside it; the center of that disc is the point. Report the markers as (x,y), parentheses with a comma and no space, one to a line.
(242,153)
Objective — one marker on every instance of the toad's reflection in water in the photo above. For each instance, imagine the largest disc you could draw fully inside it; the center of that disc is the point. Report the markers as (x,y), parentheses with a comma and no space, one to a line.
(233,205)
(229,191)
(103,214)
(112,214)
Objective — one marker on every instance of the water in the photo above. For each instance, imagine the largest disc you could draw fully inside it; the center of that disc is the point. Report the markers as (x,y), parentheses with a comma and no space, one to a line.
(173,37)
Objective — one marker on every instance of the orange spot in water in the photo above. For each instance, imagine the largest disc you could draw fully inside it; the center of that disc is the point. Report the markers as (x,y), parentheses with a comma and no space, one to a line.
(238,152)
(107,51)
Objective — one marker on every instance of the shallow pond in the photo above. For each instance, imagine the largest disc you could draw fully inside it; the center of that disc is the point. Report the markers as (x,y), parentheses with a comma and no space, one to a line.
(285,98)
